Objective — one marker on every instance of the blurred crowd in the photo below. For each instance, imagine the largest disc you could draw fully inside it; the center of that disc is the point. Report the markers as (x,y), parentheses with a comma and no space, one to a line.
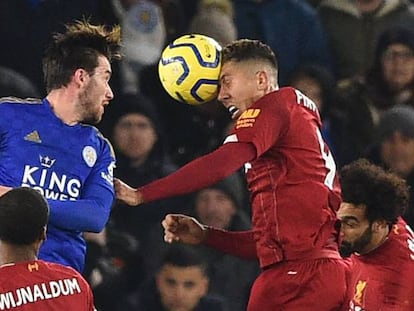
(353,58)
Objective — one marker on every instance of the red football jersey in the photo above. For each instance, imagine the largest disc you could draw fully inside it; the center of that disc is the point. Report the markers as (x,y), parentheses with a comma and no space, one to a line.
(383,279)
(294,189)
(39,285)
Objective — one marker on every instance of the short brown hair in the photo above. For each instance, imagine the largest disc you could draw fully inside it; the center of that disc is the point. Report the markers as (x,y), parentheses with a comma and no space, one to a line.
(246,49)
(79,47)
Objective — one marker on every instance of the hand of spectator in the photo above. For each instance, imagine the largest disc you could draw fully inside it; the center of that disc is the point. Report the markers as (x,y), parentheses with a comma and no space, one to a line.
(127,194)
(183,228)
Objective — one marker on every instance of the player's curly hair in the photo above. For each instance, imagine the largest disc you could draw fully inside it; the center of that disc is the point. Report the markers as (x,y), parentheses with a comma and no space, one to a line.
(24,214)
(79,47)
(384,194)
(246,49)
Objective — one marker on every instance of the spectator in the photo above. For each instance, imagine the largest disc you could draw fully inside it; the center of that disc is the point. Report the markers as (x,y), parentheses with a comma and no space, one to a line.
(144,35)
(113,267)
(221,206)
(382,274)
(353,28)
(388,83)
(290,27)
(181,283)
(140,147)
(394,148)
(49,147)
(26,282)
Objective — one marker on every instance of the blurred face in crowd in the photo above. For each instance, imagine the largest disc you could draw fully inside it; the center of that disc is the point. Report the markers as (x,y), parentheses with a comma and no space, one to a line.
(397,152)
(398,66)
(181,288)
(215,208)
(135,137)
(96,93)
(311,88)
(356,230)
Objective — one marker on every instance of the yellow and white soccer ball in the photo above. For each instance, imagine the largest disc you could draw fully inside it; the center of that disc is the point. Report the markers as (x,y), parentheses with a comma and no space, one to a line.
(189,69)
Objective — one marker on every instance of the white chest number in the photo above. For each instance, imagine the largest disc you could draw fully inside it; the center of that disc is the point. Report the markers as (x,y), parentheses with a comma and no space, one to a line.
(329,161)
(410,241)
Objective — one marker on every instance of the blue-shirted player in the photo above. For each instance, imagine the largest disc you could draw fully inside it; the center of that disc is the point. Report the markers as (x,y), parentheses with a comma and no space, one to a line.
(46,144)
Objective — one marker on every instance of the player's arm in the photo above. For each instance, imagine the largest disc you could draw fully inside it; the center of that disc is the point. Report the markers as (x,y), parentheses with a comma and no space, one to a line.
(194,176)
(236,243)
(187,229)
(91,211)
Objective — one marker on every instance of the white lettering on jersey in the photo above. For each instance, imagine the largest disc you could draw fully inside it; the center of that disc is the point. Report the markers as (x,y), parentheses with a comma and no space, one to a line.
(37,292)
(109,174)
(305,101)
(50,184)
(410,241)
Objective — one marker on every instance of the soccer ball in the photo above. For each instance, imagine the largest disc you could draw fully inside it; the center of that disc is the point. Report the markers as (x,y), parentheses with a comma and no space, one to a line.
(189,69)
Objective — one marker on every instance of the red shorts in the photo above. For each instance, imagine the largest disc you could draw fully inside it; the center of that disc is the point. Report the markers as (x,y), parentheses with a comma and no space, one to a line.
(311,285)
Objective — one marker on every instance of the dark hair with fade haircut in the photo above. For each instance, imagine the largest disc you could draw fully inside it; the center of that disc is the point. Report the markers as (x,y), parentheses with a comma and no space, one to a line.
(78,47)
(384,194)
(247,49)
(23,215)
(180,255)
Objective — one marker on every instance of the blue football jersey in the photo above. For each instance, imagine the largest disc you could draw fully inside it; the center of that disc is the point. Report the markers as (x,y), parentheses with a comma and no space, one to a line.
(72,166)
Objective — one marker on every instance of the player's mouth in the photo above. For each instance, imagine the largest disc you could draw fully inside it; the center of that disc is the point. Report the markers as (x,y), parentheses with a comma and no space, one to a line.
(234,111)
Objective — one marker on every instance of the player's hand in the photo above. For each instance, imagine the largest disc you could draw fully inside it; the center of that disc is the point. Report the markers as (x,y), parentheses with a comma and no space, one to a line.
(183,228)
(126,193)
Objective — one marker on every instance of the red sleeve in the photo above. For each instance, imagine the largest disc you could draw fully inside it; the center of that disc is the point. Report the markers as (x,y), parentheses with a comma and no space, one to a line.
(236,243)
(201,172)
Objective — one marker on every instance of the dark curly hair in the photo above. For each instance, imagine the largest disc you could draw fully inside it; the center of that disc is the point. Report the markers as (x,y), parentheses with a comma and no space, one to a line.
(384,194)
(23,215)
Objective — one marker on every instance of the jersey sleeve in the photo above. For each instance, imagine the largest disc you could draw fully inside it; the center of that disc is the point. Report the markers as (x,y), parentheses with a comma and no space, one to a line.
(236,243)
(91,211)
(201,172)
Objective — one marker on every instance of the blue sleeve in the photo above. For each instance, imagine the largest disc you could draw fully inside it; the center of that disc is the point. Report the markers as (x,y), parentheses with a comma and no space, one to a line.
(87,214)
(91,211)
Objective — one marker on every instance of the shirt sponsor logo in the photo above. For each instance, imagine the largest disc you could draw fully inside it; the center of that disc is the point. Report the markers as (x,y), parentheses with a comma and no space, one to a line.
(38,292)
(49,183)
(247,118)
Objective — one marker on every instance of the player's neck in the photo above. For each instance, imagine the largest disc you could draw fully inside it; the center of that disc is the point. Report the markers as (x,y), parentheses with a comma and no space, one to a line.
(10,254)
(62,104)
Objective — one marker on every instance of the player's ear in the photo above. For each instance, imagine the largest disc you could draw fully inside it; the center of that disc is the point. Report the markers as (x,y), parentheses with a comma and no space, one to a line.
(80,76)
(262,80)
(379,225)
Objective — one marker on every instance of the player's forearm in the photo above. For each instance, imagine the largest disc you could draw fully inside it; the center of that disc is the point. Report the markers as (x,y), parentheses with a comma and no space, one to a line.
(201,172)
(81,215)
(236,243)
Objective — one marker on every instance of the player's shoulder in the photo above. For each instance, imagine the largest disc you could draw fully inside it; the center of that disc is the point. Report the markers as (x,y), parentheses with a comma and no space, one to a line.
(18,103)
(61,271)
(97,138)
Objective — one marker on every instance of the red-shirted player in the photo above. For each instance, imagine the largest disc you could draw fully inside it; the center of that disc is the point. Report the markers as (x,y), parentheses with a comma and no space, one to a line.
(291,177)
(25,282)
(382,274)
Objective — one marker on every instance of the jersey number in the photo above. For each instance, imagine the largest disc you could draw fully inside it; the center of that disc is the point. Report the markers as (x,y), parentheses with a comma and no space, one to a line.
(329,161)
